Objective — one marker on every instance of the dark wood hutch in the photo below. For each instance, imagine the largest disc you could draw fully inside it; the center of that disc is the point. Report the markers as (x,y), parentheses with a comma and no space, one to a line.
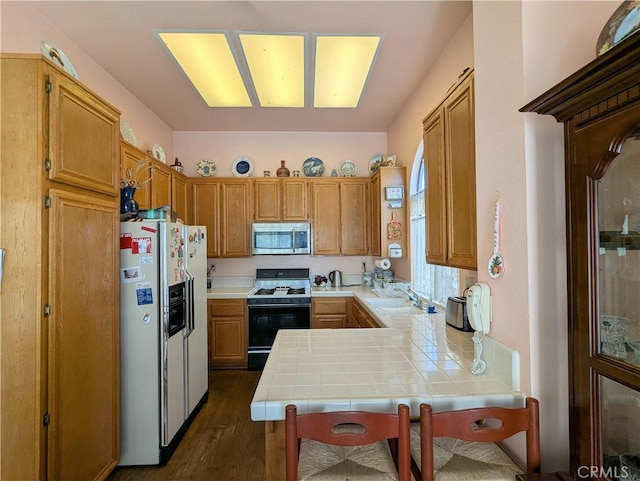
(600,108)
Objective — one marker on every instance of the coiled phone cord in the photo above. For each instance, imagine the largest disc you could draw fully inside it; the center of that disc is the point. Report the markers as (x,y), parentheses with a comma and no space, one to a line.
(478,366)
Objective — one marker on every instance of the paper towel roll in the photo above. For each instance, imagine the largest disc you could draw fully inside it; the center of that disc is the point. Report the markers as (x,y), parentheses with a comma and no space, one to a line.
(383,263)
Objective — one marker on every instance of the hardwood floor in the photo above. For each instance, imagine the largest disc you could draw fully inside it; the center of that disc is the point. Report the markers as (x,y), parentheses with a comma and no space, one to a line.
(222,444)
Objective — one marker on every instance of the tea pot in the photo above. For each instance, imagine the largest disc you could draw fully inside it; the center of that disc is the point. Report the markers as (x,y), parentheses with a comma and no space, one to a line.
(336,278)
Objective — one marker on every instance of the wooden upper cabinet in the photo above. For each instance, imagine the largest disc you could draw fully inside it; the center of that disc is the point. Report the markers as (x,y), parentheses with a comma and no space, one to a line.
(354,217)
(281,200)
(449,151)
(84,137)
(376,235)
(206,212)
(139,166)
(435,193)
(180,196)
(325,217)
(295,199)
(340,216)
(268,200)
(236,215)
(382,214)
(160,185)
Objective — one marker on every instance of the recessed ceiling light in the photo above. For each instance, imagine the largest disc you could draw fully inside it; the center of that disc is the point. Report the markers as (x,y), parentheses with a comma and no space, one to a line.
(277,65)
(207,60)
(272,67)
(342,66)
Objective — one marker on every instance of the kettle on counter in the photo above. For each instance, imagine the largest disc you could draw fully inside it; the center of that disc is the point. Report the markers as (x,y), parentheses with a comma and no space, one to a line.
(335,277)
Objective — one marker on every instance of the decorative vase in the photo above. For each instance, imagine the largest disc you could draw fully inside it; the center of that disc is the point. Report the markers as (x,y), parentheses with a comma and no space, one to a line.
(282,171)
(128,204)
(624,22)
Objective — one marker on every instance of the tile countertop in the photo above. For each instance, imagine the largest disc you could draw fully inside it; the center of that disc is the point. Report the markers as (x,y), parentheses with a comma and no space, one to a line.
(416,358)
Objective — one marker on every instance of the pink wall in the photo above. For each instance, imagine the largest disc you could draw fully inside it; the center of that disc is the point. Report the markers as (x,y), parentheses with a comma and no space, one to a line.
(267,149)
(22,31)
(521,49)
(405,133)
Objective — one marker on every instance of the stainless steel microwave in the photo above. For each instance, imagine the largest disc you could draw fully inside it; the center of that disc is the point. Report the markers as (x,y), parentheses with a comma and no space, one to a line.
(281,238)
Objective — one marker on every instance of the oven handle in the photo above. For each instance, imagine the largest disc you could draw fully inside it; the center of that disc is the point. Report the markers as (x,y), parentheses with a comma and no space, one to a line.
(259,351)
(279,305)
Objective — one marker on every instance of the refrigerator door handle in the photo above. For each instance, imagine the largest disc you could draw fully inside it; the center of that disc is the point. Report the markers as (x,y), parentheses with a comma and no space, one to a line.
(190,305)
(2,254)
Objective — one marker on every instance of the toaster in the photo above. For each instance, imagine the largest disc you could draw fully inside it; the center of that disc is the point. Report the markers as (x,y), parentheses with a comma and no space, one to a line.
(456,314)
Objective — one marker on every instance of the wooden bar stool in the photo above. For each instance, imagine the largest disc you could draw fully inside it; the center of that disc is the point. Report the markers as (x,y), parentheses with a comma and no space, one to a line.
(460,445)
(347,445)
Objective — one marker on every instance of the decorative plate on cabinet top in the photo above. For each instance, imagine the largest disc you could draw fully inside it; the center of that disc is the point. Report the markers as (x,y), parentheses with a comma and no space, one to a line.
(348,168)
(313,167)
(375,163)
(242,167)
(158,153)
(58,57)
(206,168)
(127,133)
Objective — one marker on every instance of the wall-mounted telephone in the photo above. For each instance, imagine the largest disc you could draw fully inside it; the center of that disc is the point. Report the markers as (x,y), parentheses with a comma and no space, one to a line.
(479,312)
(479,307)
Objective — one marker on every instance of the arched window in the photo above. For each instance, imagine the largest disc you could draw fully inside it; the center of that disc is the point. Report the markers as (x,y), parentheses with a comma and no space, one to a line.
(430,281)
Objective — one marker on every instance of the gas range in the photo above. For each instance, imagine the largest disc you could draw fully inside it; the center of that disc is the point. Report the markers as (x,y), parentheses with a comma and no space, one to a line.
(281,286)
(281,299)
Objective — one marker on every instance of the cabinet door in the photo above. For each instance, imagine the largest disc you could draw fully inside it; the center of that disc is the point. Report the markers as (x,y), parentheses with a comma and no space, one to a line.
(354,217)
(84,138)
(461,177)
(227,333)
(376,245)
(268,200)
(206,208)
(235,222)
(160,185)
(179,196)
(330,313)
(295,200)
(83,340)
(140,170)
(435,197)
(325,205)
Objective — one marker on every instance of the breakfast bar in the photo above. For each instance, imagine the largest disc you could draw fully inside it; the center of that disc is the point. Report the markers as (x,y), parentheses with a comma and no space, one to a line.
(415,359)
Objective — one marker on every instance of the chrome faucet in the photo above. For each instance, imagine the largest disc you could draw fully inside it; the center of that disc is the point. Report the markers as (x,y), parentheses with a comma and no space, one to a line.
(413,296)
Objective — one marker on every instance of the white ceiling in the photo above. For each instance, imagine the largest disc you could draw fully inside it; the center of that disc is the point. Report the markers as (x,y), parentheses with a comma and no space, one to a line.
(118,36)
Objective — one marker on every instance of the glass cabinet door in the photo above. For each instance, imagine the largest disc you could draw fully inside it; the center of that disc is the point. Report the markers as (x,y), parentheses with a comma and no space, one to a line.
(618,329)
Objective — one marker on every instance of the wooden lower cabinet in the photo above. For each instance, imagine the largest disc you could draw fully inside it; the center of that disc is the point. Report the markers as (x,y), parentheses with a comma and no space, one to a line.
(360,317)
(227,333)
(330,312)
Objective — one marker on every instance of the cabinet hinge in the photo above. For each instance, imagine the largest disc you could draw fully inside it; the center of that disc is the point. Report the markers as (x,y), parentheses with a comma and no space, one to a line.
(47,310)
(46,419)
(47,164)
(47,202)
(47,86)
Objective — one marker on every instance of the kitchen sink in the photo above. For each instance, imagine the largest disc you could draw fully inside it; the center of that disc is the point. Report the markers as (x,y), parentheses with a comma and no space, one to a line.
(392,305)
(386,302)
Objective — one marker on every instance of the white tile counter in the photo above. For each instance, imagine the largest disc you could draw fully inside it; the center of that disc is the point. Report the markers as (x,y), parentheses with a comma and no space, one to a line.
(416,359)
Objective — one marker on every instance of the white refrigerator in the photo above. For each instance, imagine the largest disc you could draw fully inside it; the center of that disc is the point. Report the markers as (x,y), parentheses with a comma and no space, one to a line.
(161,337)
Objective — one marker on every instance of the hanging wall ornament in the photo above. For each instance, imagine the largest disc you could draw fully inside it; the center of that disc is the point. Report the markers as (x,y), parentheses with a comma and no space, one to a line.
(394,228)
(496,262)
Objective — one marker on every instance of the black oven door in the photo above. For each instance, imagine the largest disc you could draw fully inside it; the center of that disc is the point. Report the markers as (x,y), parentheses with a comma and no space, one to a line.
(264,323)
